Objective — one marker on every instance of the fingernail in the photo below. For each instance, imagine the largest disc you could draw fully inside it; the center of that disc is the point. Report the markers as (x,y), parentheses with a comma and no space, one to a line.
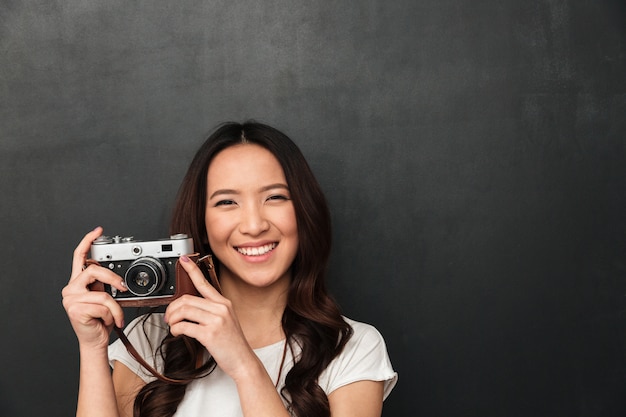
(184,258)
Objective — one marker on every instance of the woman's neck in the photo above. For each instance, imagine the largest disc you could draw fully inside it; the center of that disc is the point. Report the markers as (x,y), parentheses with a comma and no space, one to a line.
(259,310)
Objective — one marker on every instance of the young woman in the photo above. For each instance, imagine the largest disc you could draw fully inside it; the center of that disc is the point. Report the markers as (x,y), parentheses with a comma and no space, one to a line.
(272,343)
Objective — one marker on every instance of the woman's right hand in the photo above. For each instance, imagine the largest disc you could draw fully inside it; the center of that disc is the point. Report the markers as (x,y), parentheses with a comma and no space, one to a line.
(91,313)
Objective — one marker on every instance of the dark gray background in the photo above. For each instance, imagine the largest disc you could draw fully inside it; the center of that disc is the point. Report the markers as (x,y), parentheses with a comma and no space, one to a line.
(473,153)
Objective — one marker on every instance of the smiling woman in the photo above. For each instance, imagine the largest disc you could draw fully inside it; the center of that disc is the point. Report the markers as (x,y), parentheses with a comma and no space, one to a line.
(273,342)
(250,218)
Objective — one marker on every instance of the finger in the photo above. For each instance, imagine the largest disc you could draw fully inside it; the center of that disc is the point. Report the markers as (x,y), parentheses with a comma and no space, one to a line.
(82,250)
(198,310)
(197,277)
(94,305)
(91,274)
(85,311)
(187,328)
(90,314)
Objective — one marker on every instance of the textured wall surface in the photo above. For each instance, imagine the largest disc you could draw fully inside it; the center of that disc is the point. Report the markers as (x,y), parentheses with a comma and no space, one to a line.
(473,153)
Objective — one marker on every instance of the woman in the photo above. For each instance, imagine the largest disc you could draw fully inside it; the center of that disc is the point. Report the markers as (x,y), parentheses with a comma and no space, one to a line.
(273,342)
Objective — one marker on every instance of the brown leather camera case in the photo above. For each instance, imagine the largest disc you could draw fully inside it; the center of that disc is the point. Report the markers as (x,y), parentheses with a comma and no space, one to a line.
(184,285)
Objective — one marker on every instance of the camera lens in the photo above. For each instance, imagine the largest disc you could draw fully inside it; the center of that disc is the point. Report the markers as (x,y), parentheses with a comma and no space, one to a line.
(145,276)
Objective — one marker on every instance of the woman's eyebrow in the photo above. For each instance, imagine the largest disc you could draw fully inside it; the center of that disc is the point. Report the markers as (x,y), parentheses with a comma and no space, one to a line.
(223,192)
(274,186)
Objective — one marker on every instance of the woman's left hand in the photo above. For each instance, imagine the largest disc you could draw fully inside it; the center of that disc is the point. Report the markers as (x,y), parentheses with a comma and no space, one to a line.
(211,320)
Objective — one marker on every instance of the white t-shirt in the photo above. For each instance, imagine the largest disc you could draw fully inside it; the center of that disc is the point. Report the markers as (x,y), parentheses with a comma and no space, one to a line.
(363,358)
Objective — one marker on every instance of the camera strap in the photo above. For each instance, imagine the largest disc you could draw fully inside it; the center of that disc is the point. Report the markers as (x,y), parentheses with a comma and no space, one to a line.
(131,349)
(205,263)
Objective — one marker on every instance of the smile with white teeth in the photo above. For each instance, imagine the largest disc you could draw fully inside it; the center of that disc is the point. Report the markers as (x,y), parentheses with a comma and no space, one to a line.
(257,251)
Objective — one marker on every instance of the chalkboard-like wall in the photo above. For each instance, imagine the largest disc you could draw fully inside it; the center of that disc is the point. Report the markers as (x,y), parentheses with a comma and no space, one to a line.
(473,154)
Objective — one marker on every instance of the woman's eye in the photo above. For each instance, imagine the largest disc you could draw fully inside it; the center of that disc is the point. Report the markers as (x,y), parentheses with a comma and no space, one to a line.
(225,203)
(277,197)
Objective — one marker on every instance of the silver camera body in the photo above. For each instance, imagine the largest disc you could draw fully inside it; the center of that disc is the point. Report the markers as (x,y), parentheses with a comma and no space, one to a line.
(147,267)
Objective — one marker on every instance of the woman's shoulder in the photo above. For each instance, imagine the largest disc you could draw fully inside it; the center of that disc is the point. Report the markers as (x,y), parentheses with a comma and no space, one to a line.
(363,331)
(364,340)
(364,357)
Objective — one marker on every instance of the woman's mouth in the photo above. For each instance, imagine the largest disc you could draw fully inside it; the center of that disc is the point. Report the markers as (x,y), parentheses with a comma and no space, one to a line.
(257,250)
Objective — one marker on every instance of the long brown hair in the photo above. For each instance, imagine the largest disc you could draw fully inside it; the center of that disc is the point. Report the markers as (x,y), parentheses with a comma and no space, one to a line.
(311,320)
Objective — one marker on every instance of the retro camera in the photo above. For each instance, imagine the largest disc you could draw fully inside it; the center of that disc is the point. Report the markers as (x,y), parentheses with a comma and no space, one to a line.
(147,267)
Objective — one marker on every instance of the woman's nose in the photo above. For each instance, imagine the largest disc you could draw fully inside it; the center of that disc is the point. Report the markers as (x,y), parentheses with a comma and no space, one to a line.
(253,222)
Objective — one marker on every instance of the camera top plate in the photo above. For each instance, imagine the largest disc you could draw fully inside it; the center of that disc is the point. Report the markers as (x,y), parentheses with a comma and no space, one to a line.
(117,248)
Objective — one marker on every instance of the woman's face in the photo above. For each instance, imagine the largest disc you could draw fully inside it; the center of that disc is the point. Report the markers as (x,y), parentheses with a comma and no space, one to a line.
(250,218)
